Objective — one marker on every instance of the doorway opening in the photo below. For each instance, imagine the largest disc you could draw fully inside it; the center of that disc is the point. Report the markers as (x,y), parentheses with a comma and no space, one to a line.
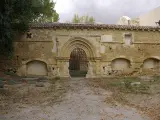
(78,63)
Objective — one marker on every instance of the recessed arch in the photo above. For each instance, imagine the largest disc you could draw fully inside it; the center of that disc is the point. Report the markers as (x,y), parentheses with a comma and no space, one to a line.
(78,63)
(77,42)
(151,63)
(34,59)
(120,64)
(122,57)
(36,68)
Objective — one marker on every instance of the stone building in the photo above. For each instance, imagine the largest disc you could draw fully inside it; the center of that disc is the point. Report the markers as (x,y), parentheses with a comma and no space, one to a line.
(99,50)
(125,20)
(150,18)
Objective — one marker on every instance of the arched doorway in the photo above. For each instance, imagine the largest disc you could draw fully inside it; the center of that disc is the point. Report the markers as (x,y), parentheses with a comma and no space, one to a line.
(78,63)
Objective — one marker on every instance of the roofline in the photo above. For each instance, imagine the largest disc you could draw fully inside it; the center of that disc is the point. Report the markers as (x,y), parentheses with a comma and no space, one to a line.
(92,26)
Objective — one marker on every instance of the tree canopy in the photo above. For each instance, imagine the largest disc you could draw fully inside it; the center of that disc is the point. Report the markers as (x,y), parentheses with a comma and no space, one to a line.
(16,15)
(83,19)
(48,13)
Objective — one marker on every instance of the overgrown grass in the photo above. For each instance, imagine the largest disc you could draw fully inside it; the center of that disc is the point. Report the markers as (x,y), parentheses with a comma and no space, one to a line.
(129,84)
(140,96)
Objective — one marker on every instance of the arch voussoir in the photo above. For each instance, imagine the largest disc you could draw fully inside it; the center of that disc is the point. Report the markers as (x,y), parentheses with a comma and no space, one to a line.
(77,43)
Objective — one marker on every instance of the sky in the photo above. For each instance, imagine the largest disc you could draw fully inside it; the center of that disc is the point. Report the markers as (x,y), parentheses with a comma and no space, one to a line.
(104,11)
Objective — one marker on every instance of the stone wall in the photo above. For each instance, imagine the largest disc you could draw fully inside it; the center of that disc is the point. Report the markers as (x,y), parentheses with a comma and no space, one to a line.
(102,47)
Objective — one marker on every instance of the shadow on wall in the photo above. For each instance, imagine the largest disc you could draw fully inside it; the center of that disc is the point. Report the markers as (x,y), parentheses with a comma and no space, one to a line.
(36,68)
(151,63)
(120,64)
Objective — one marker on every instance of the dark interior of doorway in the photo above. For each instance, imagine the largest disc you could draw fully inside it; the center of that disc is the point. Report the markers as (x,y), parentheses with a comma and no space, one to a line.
(78,64)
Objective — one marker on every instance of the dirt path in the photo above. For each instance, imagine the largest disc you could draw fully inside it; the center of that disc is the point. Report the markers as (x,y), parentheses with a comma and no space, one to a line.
(81,102)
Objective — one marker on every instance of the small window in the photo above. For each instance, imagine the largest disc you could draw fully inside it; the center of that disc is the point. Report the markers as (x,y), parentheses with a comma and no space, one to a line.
(128,39)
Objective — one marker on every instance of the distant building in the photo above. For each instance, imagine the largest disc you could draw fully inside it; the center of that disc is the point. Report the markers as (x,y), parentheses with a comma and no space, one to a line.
(150,18)
(125,20)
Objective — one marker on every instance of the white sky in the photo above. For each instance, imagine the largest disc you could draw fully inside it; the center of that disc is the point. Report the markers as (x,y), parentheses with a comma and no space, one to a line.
(64,6)
(104,11)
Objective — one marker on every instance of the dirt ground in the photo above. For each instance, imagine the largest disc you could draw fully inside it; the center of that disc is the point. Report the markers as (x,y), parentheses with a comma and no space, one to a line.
(73,99)
(144,95)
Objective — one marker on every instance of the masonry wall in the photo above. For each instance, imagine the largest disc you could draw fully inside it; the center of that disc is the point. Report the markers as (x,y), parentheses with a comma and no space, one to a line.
(45,44)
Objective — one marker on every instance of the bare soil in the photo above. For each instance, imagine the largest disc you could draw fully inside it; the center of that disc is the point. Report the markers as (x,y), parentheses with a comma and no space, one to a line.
(74,99)
(144,97)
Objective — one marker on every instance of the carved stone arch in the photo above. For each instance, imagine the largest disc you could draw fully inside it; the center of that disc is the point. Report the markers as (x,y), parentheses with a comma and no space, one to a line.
(82,46)
(77,42)
(63,58)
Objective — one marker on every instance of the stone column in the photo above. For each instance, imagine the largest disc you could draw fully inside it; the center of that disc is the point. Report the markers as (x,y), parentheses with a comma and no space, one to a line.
(66,69)
(98,68)
(58,71)
(63,68)
(90,73)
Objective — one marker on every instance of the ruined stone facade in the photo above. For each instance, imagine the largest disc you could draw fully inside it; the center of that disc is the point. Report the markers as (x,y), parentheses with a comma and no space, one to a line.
(110,49)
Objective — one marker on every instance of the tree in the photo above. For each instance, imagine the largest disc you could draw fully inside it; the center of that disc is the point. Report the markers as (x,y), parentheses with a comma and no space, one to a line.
(48,14)
(16,15)
(76,19)
(83,19)
(91,20)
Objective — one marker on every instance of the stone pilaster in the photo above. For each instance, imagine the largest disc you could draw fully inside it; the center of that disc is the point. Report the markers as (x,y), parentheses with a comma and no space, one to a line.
(90,73)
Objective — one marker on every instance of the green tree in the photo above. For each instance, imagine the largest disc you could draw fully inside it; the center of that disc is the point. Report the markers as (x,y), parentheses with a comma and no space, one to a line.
(16,15)
(76,19)
(83,19)
(91,20)
(48,13)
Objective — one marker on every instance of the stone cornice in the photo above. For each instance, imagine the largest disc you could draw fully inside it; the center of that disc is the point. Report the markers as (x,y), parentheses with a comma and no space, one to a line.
(93,26)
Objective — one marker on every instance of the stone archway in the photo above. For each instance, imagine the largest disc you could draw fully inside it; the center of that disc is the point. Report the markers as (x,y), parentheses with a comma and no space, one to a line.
(66,50)
(78,63)
(77,42)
